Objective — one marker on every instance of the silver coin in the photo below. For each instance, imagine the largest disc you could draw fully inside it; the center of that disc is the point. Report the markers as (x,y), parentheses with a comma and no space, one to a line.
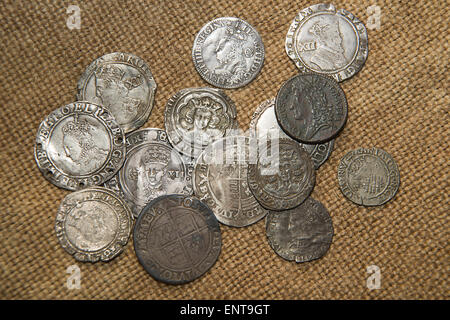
(283,178)
(93,224)
(122,83)
(220,180)
(177,238)
(301,234)
(311,108)
(264,125)
(368,177)
(228,52)
(152,168)
(327,41)
(79,145)
(195,117)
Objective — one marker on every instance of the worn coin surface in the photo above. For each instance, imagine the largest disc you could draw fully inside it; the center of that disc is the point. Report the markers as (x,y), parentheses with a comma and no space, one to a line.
(301,234)
(368,177)
(283,176)
(264,126)
(327,41)
(228,52)
(122,83)
(220,180)
(195,117)
(93,224)
(177,238)
(79,145)
(311,108)
(152,168)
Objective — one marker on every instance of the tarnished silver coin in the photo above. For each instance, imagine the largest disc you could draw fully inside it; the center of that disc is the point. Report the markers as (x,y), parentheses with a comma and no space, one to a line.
(228,52)
(264,125)
(122,83)
(195,117)
(301,234)
(311,108)
(177,238)
(152,168)
(327,41)
(368,177)
(282,178)
(79,145)
(93,224)
(220,180)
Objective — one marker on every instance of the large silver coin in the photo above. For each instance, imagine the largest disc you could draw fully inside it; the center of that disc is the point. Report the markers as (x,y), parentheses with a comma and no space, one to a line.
(122,83)
(228,52)
(327,41)
(368,177)
(152,168)
(311,108)
(93,224)
(177,238)
(79,145)
(300,234)
(220,180)
(195,117)
(264,125)
(282,178)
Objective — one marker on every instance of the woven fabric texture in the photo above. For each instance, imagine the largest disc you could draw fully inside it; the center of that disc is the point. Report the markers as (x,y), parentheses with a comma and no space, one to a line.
(398,102)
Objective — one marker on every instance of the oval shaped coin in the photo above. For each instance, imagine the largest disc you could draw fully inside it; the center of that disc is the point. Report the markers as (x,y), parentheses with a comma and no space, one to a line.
(327,41)
(220,180)
(93,224)
(228,52)
(79,145)
(123,84)
(195,117)
(311,108)
(264,125)
(301,234)
(368,177)
(177,238)
(283,178)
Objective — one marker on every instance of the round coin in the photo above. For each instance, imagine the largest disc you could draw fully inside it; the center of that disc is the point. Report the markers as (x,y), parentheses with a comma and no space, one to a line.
(195,117)
(264,125)
(79,145)
(327,41)
(93,224)
(177,238)
(301,234)
(311,108)
(228,52)
(368,177)
(123,84)
(282,178)
(220,180)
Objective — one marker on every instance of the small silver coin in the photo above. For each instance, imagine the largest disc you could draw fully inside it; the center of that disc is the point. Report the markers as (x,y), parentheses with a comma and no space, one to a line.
(264,125)
(301,234)
(79,145)
(122,83)
(93,224)
(311,108)
(195,117)
(282,178)
(220,180)
(368,177)
(228,52)
(327,41)
(177,238)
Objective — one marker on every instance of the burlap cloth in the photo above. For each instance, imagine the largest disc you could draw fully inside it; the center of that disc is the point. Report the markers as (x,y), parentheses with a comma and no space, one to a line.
(398,102)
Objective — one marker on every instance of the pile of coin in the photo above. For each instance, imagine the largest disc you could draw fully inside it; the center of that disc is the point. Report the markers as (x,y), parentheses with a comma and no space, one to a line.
(181,182)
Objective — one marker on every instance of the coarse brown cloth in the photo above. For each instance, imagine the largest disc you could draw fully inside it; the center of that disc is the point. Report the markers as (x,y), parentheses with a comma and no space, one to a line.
(398,102)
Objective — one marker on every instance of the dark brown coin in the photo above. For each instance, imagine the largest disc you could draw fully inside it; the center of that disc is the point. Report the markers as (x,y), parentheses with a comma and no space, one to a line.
(177,238)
